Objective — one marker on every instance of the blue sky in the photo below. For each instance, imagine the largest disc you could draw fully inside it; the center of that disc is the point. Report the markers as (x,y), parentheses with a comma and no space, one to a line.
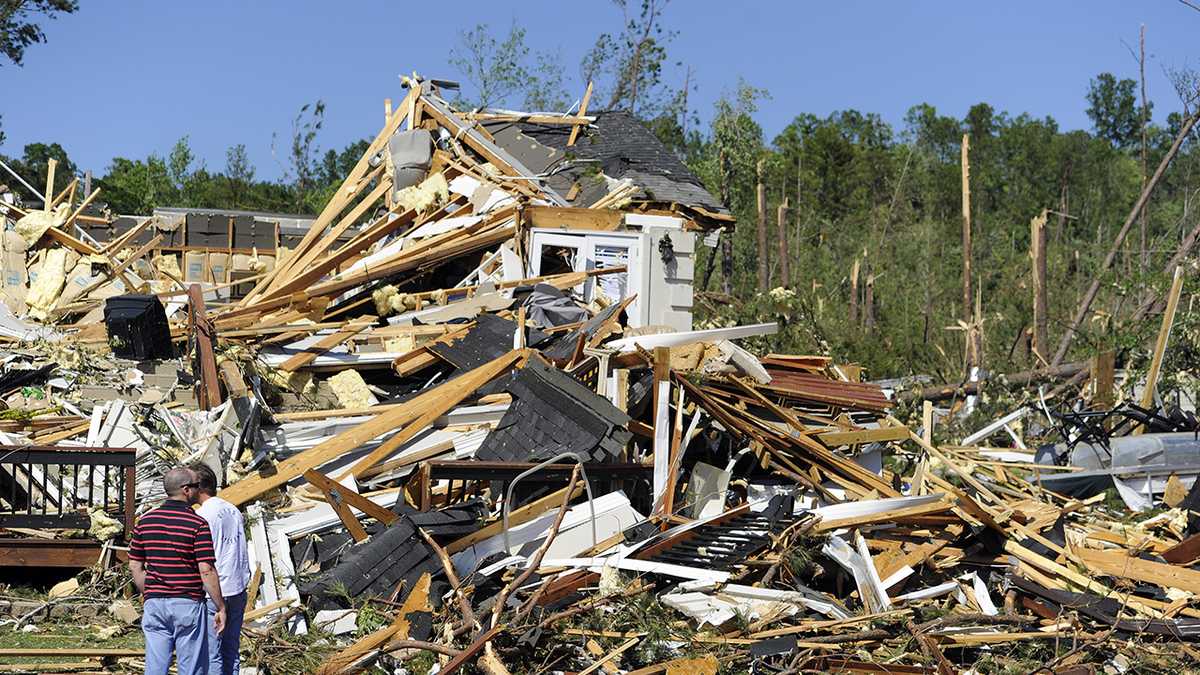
(129,77)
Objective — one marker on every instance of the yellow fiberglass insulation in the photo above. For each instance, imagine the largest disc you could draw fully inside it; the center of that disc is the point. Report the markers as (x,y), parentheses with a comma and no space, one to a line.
(104,526)
(429,195)
(389,301)
(34,224)
(351,390)
(44,291)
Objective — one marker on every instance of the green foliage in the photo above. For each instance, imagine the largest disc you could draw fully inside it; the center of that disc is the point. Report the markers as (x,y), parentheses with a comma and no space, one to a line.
(500,70)
(18,24)
(890,199)
(1113,109)
(33,165)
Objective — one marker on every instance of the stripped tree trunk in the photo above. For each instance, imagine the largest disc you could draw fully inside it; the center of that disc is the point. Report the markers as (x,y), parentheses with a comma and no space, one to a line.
(764,273)
(968,315)
(1037,253)
(785,267)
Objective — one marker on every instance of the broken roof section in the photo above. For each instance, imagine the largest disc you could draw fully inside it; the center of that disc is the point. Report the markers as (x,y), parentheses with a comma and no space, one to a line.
(616,147)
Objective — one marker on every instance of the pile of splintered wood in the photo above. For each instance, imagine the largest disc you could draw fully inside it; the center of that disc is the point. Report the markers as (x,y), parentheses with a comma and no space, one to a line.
(451,464)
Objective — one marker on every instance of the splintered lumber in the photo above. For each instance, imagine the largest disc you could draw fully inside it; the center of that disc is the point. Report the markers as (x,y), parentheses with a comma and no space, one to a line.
(341,199)
(894,515)
(607,659)
(208,387)
(1160,344)
(255,485)
(583,106)
(17,652)
(417,601)
(880,435)
(815,451)
(326,343)
(341,498)
(1118,564)
(451,393)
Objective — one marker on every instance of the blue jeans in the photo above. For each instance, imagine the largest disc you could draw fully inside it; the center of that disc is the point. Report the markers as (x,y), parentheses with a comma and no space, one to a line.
(223,657)
(178,625)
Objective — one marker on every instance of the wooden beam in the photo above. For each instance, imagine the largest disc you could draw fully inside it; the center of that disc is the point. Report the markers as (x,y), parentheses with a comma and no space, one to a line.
(583,106)
(574,218)
(881,435)
(450,394)
(208,387)
(349,497)
(1120,565)
(898,514)
(326,343)
(254,485)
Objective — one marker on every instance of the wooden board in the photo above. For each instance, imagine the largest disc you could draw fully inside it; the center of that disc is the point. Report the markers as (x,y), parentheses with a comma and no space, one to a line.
(1118,564)
(255,485)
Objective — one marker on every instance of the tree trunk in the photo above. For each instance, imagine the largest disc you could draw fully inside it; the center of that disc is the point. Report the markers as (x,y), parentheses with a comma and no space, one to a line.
(1143,256)
(854,294)
(764,273)
(1086,304)
(785,267)
(1037,252)
(966,245)
(869,305)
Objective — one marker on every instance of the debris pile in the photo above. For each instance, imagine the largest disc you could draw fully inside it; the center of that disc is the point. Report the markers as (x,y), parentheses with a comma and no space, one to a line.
(471,425)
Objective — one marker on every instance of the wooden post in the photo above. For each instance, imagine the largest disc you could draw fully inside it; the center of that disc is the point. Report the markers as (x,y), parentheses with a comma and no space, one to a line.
(966,242)
(1090,296)
(764,274)
(785,269)
(1037,253)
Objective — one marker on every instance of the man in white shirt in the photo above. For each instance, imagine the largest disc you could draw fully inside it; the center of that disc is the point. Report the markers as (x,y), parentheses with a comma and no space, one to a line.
(233,568)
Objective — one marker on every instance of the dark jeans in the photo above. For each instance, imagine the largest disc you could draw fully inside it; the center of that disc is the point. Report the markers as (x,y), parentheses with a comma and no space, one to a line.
(223,658)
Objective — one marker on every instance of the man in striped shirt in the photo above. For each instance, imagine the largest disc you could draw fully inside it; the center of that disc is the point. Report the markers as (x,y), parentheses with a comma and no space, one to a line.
(171,558)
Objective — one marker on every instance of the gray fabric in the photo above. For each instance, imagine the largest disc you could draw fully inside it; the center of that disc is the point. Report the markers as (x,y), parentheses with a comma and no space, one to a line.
(549,307)
(411,154)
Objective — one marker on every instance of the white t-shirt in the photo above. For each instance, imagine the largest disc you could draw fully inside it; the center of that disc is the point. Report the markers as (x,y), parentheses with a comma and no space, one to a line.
(229,544)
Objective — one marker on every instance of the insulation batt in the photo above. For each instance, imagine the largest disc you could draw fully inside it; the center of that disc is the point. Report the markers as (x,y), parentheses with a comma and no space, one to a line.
(34,224)
(429,195)
(44,291)
(351,390)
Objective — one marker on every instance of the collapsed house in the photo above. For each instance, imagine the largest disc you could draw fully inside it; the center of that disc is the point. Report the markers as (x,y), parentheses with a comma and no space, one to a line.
(470,392)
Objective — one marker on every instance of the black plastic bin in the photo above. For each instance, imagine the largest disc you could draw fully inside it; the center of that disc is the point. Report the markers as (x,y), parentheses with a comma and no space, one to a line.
(137,327)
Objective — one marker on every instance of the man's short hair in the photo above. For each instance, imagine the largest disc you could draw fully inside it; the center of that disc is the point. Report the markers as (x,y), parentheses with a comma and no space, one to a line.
(206,478)
(176,478)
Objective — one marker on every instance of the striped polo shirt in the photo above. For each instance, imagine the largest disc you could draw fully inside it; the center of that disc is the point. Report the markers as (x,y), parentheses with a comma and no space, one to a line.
(170,541)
